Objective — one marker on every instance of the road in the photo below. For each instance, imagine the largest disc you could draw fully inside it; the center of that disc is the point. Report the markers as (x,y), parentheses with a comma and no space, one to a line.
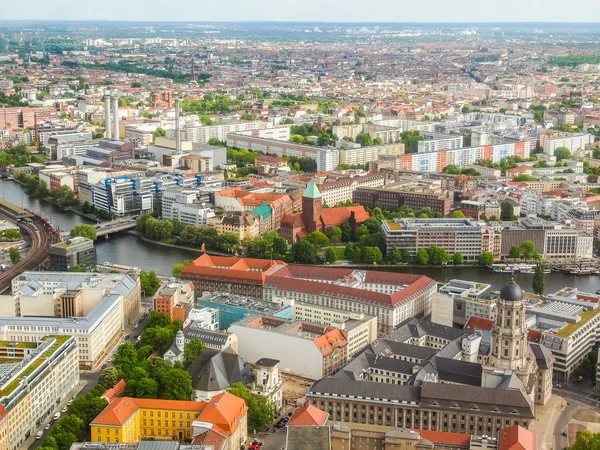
(576,396)
(40,241)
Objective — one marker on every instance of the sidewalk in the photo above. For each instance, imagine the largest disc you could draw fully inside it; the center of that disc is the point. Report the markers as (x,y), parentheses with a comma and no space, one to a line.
(29,442)
(545,421)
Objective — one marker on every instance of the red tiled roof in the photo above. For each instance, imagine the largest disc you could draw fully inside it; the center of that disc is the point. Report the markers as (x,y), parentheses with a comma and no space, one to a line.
(112,393)
(336,216)
(534,336)
(517,438)
(520,169)
(330,341)
(444,437)
(293,220)
(120,410)
(224,410)
(210,438)
(308,416)
(479,323)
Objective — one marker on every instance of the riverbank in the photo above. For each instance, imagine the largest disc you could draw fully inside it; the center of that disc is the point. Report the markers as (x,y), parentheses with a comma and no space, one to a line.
(176,246)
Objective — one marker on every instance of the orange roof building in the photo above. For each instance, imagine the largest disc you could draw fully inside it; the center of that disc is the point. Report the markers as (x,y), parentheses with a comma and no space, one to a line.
(131,419)
(309,416)
(447,440)
(517,438)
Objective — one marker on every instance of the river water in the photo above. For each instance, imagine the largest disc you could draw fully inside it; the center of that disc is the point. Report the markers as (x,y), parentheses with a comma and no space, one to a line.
(130,250)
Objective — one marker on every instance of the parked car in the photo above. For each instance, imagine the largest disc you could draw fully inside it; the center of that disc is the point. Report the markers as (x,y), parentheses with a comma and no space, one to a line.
(39,434)
(64,410)
(48,425)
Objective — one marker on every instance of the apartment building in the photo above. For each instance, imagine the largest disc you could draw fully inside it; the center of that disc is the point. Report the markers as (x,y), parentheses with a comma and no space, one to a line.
(202,134)
(341,190)
(363,155)
(222,421)
(243,224)
(572,141)
(93,308)
(303,348)
(462,236)
(327,158)
(476,209)
(176,300)
(435,142)
(34,383)
(391,297)
(396,195)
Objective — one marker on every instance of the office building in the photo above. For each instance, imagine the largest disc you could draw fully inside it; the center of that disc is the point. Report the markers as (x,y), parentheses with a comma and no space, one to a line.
(391,297)
(243,224)
(569,322)
(35,377)
(77,251)
(94,308)
(396,195)
(222,421)
(184,205)
(202,134)
(175,299)
(341,190)
(462,236)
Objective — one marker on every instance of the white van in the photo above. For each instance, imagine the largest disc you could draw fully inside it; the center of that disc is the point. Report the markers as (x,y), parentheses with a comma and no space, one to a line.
(56,416)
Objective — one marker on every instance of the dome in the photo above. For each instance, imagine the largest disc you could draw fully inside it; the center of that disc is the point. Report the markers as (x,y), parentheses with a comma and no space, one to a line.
(511,292)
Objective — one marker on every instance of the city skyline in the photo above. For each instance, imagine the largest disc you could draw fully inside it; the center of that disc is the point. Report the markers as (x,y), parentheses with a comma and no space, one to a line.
(427,11)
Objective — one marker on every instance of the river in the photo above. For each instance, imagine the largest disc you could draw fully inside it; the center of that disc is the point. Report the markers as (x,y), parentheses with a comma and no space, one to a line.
(130,250)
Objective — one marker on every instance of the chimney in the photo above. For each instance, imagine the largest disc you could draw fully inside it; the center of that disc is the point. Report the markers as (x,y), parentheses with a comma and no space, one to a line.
(116,116)
(177,135)
(107,116)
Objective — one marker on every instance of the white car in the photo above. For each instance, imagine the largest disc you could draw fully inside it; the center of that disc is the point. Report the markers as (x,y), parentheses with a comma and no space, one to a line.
(47,427)
(39,434)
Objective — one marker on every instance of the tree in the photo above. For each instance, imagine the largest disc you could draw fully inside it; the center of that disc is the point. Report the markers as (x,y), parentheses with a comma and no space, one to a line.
(178,268)
(229,242)
(507,212)
(87,407)
(346,231)
(486,259)
(318,239)
(178,385)
(304,252)
(562,153)
(160,132)
(158,319)
(260,411)
(335,235)
(377,141)
(515,252)
(191,350)
(12,235)
(458,259)
(422,256)
(437,255)
(352,252)
(457,215)
(394,256)
(14,255)
(142,388)
(109,377)
(364,139)
(586,440)
(84,230)
(126,359)
(330,255)
(528,249)
(371,255)
(404,255)
(538,279)
(149,283)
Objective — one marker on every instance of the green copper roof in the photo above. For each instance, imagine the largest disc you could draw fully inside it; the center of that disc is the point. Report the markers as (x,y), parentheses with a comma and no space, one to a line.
(263,210)
(312,191)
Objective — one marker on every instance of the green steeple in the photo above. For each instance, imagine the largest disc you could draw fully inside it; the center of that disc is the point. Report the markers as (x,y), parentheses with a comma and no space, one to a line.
(312,191)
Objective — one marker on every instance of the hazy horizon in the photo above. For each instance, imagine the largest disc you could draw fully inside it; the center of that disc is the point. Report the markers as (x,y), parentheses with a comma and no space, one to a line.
(310,11)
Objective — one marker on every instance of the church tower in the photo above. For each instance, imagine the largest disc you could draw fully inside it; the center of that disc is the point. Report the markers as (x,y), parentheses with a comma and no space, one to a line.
(180,340)
(509,335)
(312,203)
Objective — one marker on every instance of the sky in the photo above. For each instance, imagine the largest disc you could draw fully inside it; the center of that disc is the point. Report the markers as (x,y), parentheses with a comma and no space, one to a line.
(307,10)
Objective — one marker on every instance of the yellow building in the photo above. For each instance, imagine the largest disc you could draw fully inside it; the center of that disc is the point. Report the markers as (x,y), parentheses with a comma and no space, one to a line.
(131,419)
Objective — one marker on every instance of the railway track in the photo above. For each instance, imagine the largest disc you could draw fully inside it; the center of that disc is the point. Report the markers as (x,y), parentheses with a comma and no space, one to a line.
(41,239)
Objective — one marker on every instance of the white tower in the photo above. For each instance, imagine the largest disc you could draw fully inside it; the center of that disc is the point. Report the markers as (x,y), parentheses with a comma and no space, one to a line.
(180,340)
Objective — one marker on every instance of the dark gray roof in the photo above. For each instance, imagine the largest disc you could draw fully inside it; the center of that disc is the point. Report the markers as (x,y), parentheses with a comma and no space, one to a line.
(392,364)
(215,338)
(267,362)
(419,327)
(543,355)
(158,445)
(456,371)
(215,370)
(381,391)
(308,438)
(511,292)
(389,347)
(487,400)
